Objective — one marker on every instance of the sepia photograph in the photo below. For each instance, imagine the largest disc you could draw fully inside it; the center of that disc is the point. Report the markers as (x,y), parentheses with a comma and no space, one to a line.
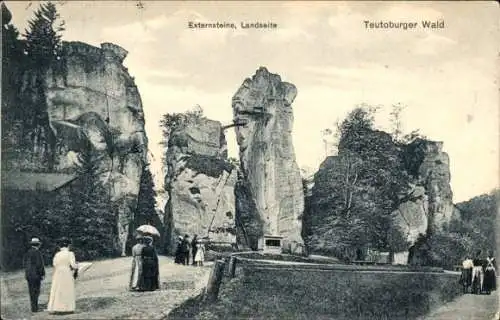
(250,160)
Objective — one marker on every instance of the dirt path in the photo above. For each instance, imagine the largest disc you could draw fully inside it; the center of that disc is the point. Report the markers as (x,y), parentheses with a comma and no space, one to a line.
(102,292)
(467,307)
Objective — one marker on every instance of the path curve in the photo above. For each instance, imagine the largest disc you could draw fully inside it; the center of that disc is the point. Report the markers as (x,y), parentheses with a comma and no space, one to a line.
(101,293)
(467,307)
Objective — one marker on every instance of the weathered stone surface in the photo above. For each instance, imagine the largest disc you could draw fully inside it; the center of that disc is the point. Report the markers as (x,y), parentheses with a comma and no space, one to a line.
(434,174)
(199,182)
(431,169)
(427,204)
(90,98)
(267,156)
(412,215)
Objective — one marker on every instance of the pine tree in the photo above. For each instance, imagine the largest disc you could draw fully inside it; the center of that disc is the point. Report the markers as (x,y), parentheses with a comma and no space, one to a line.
(43,36)
(146,212)
(94,224)
(43,47)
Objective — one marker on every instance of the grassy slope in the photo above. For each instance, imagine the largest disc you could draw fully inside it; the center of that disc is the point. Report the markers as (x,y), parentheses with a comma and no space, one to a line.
(286,294)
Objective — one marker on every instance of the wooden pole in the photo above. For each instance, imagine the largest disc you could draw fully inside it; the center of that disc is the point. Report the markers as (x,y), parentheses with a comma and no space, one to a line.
(214,281)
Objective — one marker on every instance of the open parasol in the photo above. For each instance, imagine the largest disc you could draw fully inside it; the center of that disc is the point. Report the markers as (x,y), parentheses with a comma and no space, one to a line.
(82,267)
(148,229)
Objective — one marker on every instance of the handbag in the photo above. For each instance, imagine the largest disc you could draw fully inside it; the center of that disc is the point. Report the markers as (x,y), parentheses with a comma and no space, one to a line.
(75,273)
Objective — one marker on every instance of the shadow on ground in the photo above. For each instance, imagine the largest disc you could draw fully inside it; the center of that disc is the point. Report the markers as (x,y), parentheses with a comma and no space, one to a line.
(94,303)
(189,309)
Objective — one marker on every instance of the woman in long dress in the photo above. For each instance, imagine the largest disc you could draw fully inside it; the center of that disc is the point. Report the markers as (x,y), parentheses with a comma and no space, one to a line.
(178,253)
(150,279)
(200,253)
(490,274)
(62,292)
(466,277)
(136,273)
(477,274)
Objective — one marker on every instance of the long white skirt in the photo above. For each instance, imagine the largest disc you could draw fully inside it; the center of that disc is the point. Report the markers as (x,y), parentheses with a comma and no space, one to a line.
(62,292)
(478,275)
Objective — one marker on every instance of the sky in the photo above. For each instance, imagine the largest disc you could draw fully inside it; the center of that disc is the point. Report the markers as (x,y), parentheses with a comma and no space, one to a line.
(447,78)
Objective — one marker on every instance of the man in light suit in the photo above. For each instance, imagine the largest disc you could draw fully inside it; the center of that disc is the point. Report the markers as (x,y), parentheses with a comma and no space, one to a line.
(34,271)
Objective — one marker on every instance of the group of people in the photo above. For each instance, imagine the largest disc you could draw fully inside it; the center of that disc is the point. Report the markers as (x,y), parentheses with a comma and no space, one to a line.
(187,248)
(145,275)
(62,291)
(478,274)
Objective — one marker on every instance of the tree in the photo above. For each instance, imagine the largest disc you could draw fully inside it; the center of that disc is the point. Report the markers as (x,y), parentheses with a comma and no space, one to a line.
(396,121)
(146,202)
(356,191)
(94,225)
(43,47)
(43,37)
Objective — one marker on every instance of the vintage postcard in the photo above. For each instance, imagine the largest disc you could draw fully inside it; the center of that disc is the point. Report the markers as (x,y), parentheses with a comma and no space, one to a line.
(250,160)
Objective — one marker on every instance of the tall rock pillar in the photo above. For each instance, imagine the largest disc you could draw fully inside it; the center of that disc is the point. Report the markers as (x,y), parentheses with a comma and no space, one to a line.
(270,177)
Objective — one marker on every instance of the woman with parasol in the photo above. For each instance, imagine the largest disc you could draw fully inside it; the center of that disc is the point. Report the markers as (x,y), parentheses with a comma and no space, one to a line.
(150,278)
(136,273)
(146,275)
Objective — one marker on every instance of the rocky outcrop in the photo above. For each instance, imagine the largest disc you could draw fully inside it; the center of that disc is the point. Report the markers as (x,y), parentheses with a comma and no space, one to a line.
(270,177)
(199,182)
(425,198)
(431,198)
(412,216)
(90,98)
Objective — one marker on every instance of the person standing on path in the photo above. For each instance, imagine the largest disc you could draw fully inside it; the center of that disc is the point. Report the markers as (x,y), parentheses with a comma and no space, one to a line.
(186,249)
(179,259)
(194,248)
(136,273)
(490,275)
(200,253)
(150,278)
(34,271)
(477,274)
(466,276)
(62,292)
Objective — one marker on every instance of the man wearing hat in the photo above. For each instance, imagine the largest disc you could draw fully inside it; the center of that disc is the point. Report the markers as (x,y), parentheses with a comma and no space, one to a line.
(34,271)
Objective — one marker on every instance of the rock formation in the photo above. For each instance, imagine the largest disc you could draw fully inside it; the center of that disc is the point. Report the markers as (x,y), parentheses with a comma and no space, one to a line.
(90,97)
(429,204)
(199,181)
(271,197)
(425,205)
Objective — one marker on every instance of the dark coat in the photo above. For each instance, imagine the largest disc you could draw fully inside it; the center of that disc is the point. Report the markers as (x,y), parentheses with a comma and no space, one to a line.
(33,264)
(150,279)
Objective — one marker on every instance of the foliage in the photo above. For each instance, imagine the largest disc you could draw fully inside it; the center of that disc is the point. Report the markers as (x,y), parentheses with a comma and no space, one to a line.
(43,36)
(172,122)
(208,165)
(356,191)
(474,231)
(234,162)
(146,201)
(94,224)
(249,225)
(27,62)
(145,211)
